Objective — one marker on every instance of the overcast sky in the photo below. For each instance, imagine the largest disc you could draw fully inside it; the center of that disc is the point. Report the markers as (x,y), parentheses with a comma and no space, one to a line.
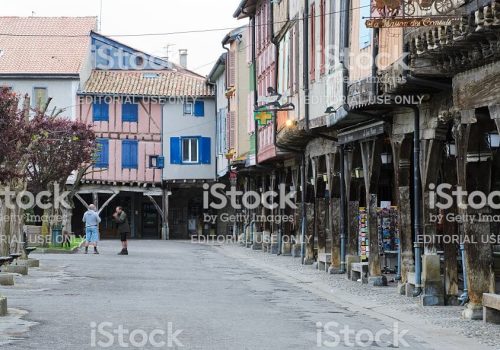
(149,16)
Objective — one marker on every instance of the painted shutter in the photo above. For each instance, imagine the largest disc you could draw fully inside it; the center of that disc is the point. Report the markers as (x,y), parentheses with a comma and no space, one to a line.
(199,109)
(130,112)
(232,69)
(175,150)
(231,129)
(205,150)
(312,49)
(102,159)
(322,35)
(134,154)
(100,111)
(129,154)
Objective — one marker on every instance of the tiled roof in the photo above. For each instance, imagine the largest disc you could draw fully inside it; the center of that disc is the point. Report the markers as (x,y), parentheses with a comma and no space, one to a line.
(44,45)
(171,83)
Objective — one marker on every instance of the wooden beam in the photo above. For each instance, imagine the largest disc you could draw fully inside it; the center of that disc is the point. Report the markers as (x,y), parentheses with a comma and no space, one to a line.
(107,202)
(81,200)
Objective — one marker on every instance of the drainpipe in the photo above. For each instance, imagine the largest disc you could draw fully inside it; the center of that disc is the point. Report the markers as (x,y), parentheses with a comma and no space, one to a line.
(417,202)
(464,298)
(306,66)
(303,205)
(343,205)
(345,8)
(255,90)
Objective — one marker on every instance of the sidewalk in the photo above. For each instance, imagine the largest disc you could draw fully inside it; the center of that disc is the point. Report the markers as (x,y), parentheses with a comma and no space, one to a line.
(440,326)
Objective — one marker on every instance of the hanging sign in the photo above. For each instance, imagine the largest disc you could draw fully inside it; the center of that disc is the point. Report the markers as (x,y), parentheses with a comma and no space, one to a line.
(263,117)
(413,22)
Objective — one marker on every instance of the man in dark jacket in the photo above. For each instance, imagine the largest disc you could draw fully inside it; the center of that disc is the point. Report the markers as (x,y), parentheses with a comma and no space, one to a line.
(123,228)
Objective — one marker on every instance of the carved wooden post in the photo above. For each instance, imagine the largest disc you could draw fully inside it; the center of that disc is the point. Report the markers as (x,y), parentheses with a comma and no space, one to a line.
(449,171)
(311,212)
(401,154)
(432,154)
(478,257)
(371,169)
(353,205)
(334,211)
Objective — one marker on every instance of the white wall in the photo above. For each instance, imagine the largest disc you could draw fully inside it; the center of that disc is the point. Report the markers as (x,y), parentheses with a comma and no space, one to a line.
(222,162)
(62,91)
(175,124)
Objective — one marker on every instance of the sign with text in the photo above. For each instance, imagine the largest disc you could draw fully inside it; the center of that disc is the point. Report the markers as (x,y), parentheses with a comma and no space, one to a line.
(413,22)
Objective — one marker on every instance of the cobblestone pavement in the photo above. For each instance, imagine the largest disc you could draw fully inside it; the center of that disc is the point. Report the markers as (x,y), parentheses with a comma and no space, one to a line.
(210,297)
(386,298)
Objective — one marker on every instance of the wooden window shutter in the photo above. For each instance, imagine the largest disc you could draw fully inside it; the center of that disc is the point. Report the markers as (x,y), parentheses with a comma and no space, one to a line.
(312,63)
(232,68)
(232,129)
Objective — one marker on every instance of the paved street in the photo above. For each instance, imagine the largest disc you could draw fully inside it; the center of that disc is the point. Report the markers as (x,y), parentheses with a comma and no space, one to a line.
(210,299)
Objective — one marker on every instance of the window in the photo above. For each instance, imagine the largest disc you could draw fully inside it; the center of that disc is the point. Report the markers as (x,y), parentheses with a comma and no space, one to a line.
(40,97)
(190,150)
(188,108)
(130,112)
(156,162)
(196,108)
(100,111)
(129,154)
(102,154)
(365,34)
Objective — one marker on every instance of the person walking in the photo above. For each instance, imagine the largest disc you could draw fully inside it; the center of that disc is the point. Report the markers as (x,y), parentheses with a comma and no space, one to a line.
(123,228)
(91,219)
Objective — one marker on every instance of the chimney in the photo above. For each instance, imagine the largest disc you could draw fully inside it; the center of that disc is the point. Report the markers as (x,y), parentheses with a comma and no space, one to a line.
(183,58)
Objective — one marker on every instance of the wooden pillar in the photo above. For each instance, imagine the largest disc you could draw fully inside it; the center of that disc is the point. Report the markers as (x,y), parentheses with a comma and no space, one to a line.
(478,257)
(370,156)
(334,211)
(310,213)
(401,152)
(432,155)
(451,249)
(352,205)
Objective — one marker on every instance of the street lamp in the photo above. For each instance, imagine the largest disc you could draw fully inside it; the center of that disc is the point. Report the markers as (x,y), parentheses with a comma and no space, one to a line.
(386,158)
(451,149)
(493,139)
(358,173)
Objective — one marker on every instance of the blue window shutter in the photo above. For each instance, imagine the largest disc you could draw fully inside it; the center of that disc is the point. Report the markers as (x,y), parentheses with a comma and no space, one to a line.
(175,150)
(130,112)
(199,109)
(129,154)
(205,150)
(160,163)
(134,150)
(102,158)
(100,111)
(105,111)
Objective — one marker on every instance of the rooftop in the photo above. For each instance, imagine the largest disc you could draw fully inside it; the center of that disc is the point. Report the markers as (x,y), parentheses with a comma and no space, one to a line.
(44,45)
(171,83)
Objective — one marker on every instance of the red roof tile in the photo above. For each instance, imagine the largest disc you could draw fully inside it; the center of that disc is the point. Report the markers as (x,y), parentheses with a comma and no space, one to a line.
(171,83)
(44,45)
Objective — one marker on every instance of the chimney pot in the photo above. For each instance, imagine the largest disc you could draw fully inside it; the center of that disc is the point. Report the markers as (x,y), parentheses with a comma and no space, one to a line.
(183,55)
